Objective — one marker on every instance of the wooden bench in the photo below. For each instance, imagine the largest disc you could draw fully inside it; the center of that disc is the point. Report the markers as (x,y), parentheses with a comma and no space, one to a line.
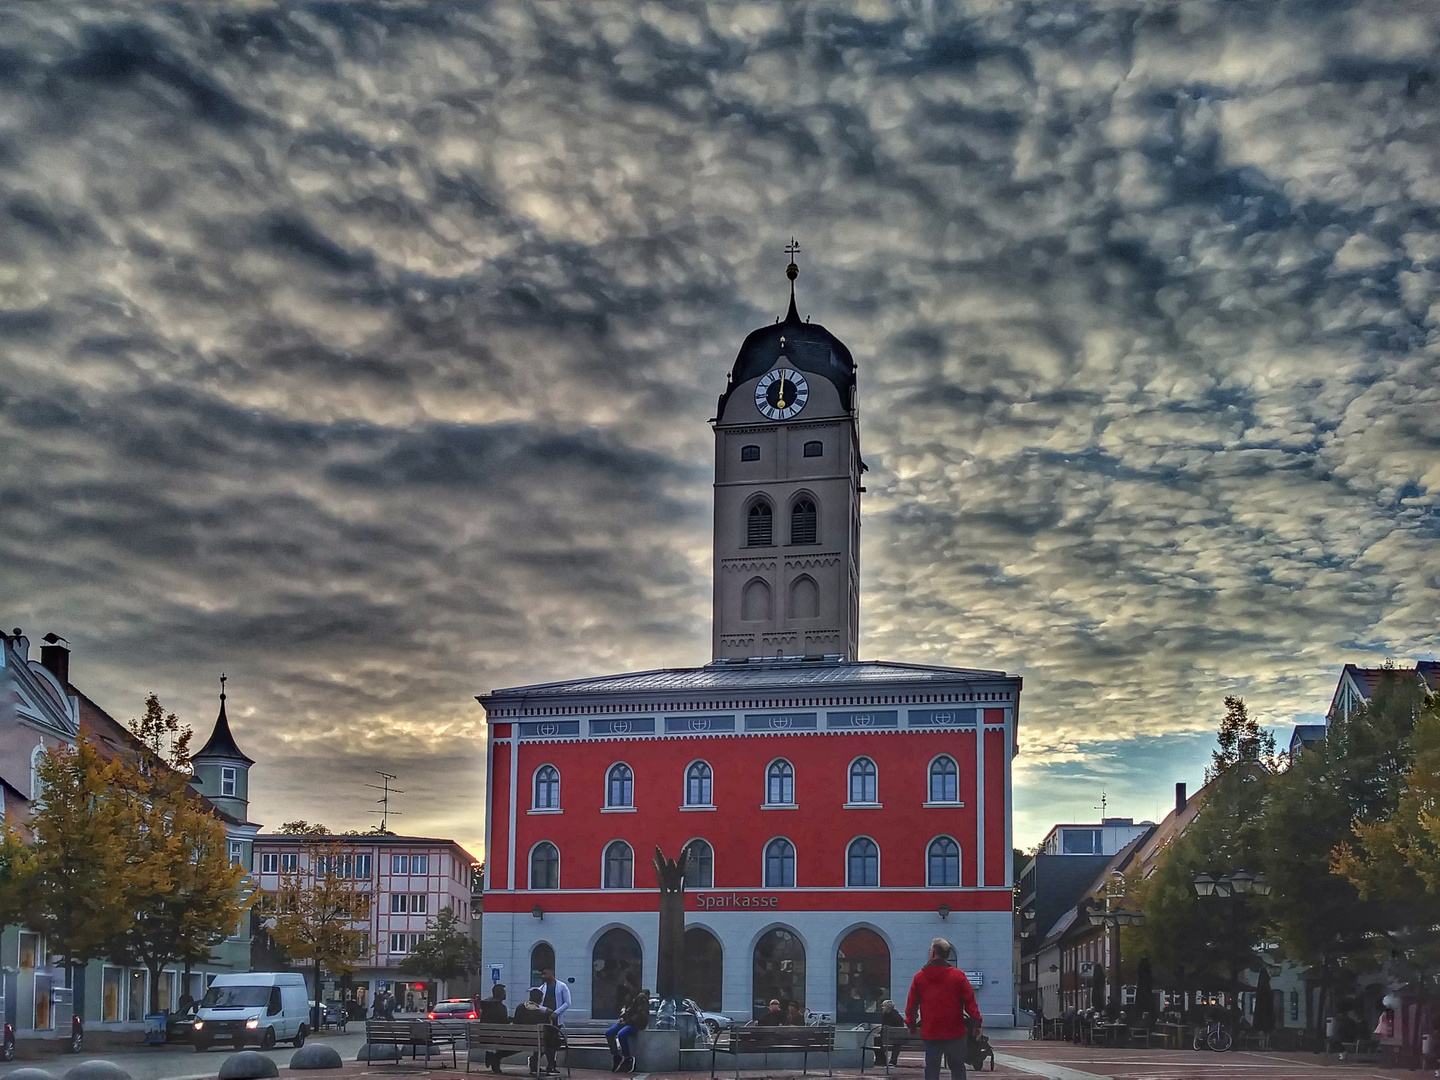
(502,1039)
(778,1040)
(415,1034)
(887,1037)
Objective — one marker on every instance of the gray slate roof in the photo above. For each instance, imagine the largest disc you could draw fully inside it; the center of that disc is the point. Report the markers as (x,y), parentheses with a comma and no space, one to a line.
(753,676)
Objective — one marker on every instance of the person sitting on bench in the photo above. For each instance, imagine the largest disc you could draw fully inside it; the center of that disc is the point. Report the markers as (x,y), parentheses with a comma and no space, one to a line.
(531,1012)
(493,1011)
(889,1017)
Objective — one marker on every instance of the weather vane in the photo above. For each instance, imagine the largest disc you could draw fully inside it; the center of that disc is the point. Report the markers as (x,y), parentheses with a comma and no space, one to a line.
(222,686)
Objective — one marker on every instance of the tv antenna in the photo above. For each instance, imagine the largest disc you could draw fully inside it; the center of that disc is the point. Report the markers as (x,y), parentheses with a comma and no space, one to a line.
(384,800)
(1103,803)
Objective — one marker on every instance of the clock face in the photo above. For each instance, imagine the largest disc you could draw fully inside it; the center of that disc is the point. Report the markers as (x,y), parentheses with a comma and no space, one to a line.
(781,394)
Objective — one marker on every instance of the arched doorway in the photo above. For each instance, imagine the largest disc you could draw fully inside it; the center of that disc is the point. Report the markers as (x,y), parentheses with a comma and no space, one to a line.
(704,968)
(778,971)
(542,956)
(615,972)
(862,977)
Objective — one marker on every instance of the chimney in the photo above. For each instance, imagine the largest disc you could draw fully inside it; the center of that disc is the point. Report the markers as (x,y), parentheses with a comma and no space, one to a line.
(1179,799)
(55,658)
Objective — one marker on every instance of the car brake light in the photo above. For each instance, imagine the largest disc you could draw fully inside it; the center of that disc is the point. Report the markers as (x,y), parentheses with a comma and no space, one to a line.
(429,1016)
(471,1016)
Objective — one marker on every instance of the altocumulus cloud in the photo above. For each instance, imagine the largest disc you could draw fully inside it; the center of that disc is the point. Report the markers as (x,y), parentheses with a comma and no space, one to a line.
(366,351)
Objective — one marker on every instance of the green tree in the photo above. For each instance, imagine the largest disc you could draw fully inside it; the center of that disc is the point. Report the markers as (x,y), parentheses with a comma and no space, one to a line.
(301,827)
(312,914)
(446,953)
(17,868)
(78,894)
(1213,938)
(1348,780)
(185,893)
(1393,861)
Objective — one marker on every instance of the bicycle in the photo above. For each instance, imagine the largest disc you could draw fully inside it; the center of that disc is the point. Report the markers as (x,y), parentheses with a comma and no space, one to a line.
(1213,1036)
(817,1019)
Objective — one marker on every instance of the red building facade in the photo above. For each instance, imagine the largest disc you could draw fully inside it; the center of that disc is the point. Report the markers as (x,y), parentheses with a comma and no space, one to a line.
(839,813)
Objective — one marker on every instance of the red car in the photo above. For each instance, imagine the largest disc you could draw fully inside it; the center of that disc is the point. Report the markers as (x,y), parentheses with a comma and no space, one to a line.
(453,1009)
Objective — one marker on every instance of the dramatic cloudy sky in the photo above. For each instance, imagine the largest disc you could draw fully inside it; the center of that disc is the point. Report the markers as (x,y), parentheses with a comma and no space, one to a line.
(366,353)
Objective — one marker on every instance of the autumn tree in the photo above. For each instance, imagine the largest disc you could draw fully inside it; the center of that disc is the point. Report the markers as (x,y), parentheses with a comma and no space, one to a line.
(1393,861)
(1349,780)
(17,867)
(185,894)
(312,912)
(446,953)
(78,893)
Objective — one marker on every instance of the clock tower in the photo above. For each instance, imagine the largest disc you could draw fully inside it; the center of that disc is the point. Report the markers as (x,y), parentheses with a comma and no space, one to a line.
(787,496)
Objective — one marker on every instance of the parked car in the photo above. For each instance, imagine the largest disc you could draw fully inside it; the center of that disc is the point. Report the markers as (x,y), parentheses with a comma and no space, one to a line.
(453,1009)
(711,1022)
(180,1026)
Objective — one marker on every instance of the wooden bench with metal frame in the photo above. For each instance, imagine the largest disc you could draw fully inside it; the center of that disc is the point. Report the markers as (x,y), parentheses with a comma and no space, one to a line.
(805,1040)
(503,1039)
(888,1037)
(396,1033)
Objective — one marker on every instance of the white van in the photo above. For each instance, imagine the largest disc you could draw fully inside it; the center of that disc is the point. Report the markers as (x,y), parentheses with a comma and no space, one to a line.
(261,1007)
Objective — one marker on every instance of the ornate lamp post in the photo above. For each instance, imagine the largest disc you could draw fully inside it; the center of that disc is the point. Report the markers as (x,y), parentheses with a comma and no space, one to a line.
(1117,918)
(1232,887)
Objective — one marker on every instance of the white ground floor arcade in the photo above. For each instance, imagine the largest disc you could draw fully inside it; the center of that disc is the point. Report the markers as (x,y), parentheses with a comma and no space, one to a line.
(838,962)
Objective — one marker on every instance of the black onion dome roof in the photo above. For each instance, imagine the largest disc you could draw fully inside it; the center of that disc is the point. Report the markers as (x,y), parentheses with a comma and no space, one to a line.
(808,346)
(221,743)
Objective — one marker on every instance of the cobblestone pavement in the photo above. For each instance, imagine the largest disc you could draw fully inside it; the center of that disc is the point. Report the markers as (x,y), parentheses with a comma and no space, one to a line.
(1063,1061)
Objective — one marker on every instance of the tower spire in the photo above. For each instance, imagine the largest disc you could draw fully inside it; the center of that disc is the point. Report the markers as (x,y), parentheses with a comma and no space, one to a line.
(792,272)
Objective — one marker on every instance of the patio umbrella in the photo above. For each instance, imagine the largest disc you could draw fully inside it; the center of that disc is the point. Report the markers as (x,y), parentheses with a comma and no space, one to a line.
(1097,988)
(1264,1019)
(1145,988)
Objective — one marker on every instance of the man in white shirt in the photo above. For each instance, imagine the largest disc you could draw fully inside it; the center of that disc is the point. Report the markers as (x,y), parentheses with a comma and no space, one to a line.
(556,996)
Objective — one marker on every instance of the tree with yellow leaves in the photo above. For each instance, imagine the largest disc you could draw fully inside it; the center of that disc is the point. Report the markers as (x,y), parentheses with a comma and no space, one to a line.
(184,894)
(1396,861)
(312,913)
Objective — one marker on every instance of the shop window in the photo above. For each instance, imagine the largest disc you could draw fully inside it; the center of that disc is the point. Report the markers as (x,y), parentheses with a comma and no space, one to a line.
(862,977)
(139,1003)
(777,971)
(615,967)
(704,963)
(110,985)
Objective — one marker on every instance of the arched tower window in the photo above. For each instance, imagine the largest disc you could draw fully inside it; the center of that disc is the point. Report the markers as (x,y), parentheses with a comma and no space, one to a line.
(802,522)
(759,531)
(619,866)
(780,864)
(863,786)
(750,453)
(37,786)
(698,779)
(943,863)
(804,598)
(814,449)
(545,866)
(944,780)
(620,786)
(862,863)
(755,601)
(547,788)
(780,783)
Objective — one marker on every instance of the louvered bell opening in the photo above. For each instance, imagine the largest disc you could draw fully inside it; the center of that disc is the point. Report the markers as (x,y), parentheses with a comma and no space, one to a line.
(759,533)
(802,523)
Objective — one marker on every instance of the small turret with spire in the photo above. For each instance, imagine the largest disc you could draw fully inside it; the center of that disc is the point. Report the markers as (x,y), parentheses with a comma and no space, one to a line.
(222,769)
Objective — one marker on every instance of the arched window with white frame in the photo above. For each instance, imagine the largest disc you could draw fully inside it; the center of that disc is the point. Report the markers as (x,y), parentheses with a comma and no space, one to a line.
(619,872)
(779,864)
(699,781)
(620,785)
(864,786)
(700,873)
(862,863)
(780,783)
(545,866)
(547,788)
(37,786)
(944,780)
(942,859)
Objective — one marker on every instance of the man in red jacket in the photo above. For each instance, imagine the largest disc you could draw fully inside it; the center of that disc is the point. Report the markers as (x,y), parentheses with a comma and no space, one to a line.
(944,998)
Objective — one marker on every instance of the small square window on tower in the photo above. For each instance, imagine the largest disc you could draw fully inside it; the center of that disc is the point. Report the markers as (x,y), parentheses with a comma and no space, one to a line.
(227,782)
(752,453)
(814,449)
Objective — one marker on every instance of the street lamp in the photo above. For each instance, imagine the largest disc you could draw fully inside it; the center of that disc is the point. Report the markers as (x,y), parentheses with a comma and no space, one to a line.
(1204,885)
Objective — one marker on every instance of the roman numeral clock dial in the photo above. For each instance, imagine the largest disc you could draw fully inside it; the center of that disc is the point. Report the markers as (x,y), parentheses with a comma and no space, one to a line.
(781,394)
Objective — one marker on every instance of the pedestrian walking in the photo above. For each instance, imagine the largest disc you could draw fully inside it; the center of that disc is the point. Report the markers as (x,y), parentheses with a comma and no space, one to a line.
(941,997)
